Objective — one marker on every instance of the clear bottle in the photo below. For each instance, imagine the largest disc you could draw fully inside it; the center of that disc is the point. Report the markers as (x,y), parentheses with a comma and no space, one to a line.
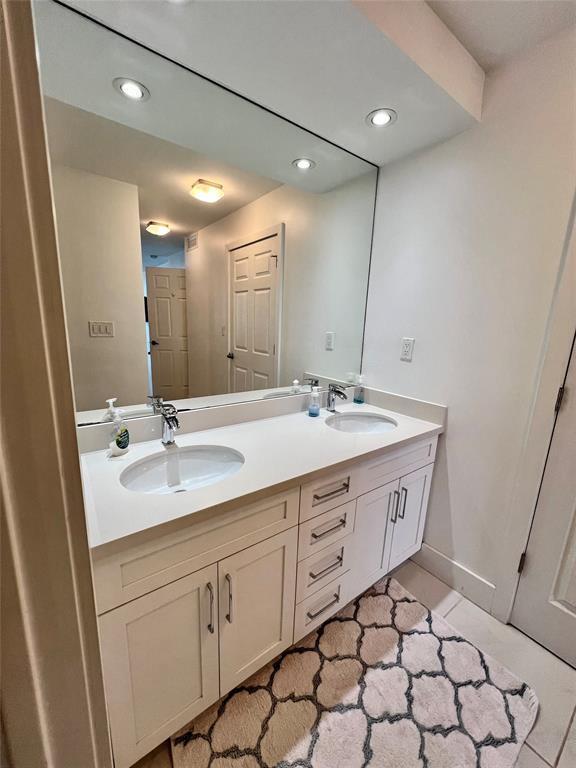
(314,404)
(359,389)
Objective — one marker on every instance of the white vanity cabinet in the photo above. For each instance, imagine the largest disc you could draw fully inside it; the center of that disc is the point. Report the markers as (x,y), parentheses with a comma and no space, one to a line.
(186,617)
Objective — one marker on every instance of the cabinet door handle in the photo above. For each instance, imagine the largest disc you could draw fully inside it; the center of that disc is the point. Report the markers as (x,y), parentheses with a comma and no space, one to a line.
(229,615)
(328,569)
(344,488)
(211,593)
(404,493)
(317,536)
(321,611)
(395,505)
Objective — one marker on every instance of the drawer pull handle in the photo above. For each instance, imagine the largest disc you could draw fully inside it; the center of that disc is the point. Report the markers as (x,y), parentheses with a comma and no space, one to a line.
(315,615)
(395,506)
(328,569)
(344,488)
(229,615)
(318,536)
(404,492)
(211,623)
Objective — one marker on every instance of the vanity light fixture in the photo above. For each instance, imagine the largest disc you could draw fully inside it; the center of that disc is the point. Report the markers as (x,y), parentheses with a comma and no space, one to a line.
(157,228)
(303,164)
(379,118)
(207,191)
(131,89)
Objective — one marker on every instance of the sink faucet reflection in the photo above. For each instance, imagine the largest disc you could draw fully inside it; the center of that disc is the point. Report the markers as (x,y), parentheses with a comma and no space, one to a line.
(170,423)
(334,391)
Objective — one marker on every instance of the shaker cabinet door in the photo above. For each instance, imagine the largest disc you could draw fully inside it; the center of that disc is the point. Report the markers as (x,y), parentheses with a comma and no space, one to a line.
(257,594)
(372,536)
(160,662)
(407,524)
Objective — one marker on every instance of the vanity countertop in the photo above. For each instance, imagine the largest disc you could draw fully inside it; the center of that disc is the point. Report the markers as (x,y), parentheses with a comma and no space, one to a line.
(276,451)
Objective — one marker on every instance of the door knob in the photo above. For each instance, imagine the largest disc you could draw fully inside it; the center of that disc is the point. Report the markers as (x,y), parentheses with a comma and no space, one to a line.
(154,343)
(230,355)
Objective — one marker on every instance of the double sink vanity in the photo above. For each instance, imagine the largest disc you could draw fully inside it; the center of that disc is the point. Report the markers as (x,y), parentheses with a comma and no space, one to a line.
(214,555)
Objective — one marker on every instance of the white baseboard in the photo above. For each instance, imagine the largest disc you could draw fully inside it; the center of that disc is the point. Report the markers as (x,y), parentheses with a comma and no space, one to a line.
(457,576)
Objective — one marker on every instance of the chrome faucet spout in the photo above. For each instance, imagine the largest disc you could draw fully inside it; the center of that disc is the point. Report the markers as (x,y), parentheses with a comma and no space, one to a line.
(170,423)
(334,391)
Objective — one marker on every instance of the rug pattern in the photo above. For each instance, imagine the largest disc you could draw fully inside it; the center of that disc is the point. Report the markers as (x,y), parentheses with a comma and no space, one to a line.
(383,684)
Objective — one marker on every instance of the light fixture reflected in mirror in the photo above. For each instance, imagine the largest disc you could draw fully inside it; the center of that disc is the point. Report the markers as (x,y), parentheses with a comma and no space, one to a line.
(303,164)
(207,191)
(157,228)
(379,118)
(131,89)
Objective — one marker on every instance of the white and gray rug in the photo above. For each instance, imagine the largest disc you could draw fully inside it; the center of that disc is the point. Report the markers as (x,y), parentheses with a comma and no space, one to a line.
(383,684)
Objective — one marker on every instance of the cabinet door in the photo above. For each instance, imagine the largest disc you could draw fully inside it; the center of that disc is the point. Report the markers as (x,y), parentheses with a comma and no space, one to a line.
(160,662)
(257,593)
(371,542)
(407,524)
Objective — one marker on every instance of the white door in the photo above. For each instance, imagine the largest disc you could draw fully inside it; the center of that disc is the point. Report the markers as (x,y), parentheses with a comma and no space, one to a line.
(160,662)
(254,314)
(545,604)
(371,542)
(408,518)
(257,596)
(166,290)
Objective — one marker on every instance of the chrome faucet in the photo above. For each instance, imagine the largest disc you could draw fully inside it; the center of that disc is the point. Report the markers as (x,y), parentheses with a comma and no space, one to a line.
(335,390)
(170,423)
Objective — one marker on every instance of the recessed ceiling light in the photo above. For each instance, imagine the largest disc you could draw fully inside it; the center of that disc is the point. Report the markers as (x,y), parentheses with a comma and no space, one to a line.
(303,164)
(207,191)
(381,117)
(131,89)
(157,228)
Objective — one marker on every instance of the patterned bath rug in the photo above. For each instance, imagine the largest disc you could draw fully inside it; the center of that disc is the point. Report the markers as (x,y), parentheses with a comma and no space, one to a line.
(383,684)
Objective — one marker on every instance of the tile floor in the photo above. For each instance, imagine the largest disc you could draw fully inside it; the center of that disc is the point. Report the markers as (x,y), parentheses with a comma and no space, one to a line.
(552,742)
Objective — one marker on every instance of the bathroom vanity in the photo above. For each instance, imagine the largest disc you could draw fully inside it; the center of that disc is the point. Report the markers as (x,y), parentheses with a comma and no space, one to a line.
(197,590)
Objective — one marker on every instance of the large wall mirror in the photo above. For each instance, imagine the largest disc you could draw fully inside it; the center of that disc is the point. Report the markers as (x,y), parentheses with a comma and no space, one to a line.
(210,250)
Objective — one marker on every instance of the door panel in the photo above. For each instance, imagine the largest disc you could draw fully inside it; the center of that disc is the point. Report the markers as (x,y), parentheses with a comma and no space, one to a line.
(160,662)
(257,595)
(545,604)
(253,315)
(371,542)
(167,315)
(407,524)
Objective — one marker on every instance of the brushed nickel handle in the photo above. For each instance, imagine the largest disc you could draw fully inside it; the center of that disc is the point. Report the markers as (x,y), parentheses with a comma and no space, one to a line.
(321,611)
(211,622)
(344,488)
(229,615)
(396,504)
(328,569)
(318,536)
(404,494)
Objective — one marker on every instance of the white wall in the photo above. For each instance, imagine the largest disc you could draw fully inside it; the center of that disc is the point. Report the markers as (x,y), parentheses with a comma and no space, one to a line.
(99,245)
(325,272)
(467,246)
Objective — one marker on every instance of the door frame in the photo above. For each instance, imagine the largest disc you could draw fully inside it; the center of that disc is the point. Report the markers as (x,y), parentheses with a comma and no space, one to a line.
(551,373)
(278,230)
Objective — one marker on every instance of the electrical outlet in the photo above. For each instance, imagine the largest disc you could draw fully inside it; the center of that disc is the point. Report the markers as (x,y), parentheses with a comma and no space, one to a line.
(407,349)
(330,338)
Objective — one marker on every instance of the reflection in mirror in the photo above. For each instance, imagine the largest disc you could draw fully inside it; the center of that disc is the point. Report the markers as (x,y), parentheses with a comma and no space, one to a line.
(211,252)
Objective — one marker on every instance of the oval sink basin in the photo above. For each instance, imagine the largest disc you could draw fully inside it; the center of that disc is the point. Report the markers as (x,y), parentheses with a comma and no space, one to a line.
(360,422)
(176,470)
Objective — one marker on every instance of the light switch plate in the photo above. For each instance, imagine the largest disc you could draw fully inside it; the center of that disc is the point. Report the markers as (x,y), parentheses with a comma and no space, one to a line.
(101,328)
(330,339)
(407,349)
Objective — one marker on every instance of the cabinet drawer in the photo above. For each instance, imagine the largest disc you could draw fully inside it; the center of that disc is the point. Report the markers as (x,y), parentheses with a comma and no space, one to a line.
(328,492)
(389,466)
(317,608)
(315,534)
(125,575)
(323,567)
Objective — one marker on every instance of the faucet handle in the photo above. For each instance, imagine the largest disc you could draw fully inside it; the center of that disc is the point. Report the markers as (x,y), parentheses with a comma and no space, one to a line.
(156,403)
(338,389)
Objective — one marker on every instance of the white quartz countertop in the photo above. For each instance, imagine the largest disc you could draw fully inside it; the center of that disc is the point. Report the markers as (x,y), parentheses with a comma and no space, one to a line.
(276,450)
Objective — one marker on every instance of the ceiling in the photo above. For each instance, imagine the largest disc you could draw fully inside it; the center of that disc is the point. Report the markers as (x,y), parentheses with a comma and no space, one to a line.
(324,65)
(494,30)
(91,143)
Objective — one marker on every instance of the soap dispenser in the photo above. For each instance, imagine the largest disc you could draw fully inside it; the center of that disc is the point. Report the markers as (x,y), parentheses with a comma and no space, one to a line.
(359,389)
(314,404)
(120,435)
